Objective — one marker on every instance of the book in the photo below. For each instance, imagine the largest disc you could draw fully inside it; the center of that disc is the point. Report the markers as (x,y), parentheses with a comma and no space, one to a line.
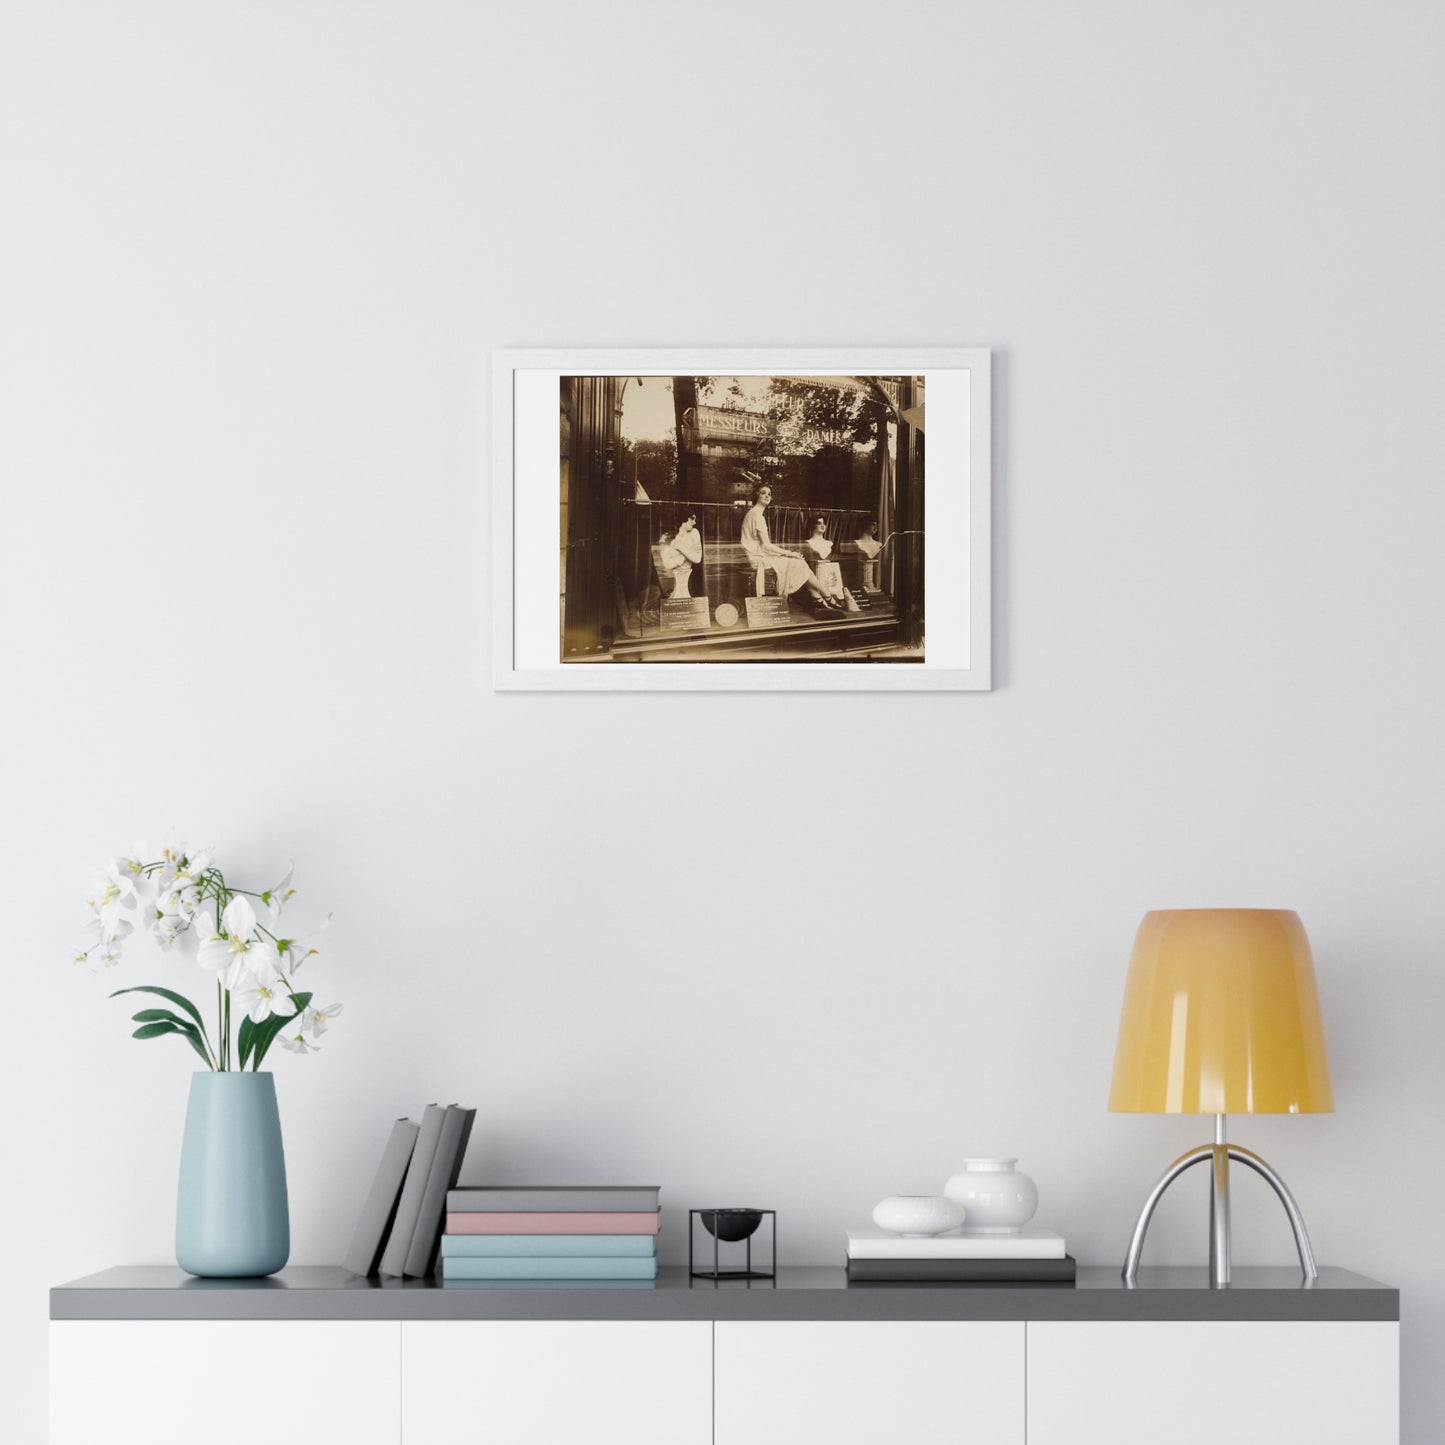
(494,1246)
(364,1253)
(398,1242)
(963,1271)
(446,1164)
(521,1267)
(544,1199)
(1028,1243)
(541,1284)
(539,1223)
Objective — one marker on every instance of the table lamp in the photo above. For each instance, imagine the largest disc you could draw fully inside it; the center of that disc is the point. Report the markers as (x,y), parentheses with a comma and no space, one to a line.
(1221,1016)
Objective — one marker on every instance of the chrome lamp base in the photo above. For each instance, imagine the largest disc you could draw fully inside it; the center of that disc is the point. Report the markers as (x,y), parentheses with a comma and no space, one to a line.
(1219,1154)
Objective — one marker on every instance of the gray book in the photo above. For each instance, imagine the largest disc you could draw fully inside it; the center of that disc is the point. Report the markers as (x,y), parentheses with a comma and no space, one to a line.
(408,1207)
(380,1208)
(553,1199)
(446,1166)
(962,1271)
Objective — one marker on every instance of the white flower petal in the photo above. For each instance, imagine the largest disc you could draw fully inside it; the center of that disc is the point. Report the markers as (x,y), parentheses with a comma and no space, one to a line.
(235,972)
(239,919)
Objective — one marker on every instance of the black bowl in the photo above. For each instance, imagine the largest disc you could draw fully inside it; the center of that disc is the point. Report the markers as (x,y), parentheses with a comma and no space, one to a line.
(730,1225)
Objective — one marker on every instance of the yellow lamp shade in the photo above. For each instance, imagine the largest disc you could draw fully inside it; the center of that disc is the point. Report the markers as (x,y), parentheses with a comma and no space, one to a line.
(1221,1016)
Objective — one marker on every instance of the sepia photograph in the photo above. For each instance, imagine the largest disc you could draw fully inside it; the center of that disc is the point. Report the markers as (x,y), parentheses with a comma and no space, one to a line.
(751,520)
(711,518)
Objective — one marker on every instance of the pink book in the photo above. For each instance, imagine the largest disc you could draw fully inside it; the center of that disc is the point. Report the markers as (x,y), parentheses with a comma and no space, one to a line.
(554,1223)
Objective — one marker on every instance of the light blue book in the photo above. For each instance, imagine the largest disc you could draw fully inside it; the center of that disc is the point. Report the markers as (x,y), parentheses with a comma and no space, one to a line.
(577,1267)
(547,1246)
(567,1284)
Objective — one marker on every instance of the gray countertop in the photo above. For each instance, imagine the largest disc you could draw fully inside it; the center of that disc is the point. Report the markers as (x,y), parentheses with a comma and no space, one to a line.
(331,1293)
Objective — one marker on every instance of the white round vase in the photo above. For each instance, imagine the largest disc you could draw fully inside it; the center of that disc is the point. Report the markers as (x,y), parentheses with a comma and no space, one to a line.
(999,1199)
(917,1215)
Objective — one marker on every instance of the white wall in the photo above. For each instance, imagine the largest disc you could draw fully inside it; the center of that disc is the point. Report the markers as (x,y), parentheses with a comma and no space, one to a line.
(253,261)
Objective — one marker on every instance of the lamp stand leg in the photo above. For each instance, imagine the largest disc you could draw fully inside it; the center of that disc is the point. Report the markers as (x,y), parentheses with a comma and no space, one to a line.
(1296,1219)
(1141,1227)
(1219,1154)
(1219,1253)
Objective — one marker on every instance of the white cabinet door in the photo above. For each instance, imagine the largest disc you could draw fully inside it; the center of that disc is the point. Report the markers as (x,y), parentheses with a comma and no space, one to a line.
(865,1383)
(1251,1383)
(225,1382)
(554,1382)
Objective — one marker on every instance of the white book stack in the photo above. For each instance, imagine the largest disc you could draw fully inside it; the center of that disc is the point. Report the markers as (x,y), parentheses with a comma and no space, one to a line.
(1030,1256)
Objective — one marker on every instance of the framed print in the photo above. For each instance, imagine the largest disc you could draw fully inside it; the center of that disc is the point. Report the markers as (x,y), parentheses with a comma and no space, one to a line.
(738,520)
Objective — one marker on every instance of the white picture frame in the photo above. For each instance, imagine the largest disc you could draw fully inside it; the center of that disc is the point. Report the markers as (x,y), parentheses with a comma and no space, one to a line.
(530,627)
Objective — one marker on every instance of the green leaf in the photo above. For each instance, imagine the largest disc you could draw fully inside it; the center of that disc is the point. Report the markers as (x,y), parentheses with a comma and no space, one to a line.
(175,998)
(245,1037)
(265,1033)
(192,1033)
(157,1015)
(154,1031)
(193,1039)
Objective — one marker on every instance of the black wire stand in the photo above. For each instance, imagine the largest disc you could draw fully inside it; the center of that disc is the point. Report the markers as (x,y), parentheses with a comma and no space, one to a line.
(720,1270)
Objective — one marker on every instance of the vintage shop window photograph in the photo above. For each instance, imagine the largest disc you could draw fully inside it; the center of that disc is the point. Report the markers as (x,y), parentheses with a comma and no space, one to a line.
(733,519)
(742,518)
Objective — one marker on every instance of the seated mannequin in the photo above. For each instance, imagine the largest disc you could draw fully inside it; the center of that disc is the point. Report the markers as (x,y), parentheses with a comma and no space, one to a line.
(791,570)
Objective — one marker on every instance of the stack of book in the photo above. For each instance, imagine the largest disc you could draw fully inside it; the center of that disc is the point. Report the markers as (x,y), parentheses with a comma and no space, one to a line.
(498,1232)
(1032,1256)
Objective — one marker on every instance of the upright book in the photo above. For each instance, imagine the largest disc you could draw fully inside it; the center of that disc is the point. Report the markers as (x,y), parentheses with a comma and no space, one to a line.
(408,1207)
(446,1165)
(364,1253)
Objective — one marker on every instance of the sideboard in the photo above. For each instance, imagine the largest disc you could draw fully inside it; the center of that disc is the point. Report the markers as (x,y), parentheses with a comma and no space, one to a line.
(317,1355)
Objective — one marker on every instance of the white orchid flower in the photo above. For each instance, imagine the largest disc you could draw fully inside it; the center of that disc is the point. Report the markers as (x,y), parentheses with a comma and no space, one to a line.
(230,949)
(174,910)
(171,856)
(321,1017)
(261,1000)
(179,860)
(102,942)
(177,896)
(115,932)
(209,938)
(190,866)
(277,897)
(263,961)
(112,889)
(293,1036)
(134,864)
(110,955)
(293,952)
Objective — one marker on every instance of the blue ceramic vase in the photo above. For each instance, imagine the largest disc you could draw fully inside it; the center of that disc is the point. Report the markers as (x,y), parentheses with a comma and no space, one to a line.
(231,1217)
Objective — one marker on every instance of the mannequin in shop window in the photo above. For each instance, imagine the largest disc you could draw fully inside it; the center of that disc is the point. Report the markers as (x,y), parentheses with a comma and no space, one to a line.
(829,573)
(682,553)
(673,569)
(792,572)
(869,545)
